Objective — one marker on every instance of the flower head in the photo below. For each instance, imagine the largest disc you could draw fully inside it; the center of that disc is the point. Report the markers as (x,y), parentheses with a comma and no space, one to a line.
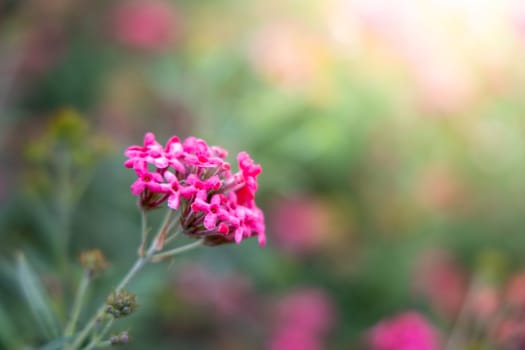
(120,304)
(93,261)
(190,176)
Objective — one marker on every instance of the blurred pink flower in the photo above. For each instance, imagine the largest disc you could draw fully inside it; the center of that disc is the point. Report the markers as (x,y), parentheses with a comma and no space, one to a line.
(291,338)
(310,218)
(309,309)
(440,280)
(147,25)
(407,331)
(485,303)
(302,319)
(510,334)
(518,14)
(285,53)
(447,87)
(414,35)
(42,49)
(227,295)
(515,293)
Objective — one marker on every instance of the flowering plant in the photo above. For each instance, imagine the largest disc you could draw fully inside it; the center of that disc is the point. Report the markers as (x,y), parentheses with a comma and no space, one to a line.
(214,205)
(204,200)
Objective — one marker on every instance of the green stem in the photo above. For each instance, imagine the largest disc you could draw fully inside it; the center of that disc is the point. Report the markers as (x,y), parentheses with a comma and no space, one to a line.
(104,344)
(64,210)
(175,251)
(144,232)
(139,264)
(169,221)
(77,304)
(173,236)
(141,261)
(96,339)
(167,225)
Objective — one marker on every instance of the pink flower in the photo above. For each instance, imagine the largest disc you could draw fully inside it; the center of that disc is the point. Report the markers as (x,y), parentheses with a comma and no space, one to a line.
(440,280)
(407,331)
(510,333)
(292,338)
(515,291)
(193,177)
(147,25)
(212,210)
(147,181)
(308,309)
(302,319)
(286,53)
(484,303)
(229,295)
(300,223)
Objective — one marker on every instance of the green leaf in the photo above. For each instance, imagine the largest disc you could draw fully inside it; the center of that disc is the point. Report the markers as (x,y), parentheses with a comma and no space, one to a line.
(7,333)
(37,298)
(56,344)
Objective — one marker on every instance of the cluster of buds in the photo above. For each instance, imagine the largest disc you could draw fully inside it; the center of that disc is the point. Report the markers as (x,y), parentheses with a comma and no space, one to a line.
(93,261)
(121,339)
(121,304)
(215,204)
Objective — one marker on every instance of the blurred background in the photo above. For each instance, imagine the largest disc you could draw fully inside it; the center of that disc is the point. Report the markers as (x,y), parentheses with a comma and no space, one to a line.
(392,141)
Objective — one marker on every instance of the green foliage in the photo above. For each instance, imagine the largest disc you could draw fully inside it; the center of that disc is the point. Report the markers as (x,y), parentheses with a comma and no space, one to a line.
(37,299)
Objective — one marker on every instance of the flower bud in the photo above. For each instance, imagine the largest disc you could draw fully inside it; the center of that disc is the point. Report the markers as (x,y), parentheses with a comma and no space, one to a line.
(93,261)
(124,337)
(121,339)
(121,304)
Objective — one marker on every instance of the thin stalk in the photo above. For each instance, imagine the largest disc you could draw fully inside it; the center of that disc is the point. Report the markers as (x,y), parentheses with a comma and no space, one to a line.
(96,339)
(173,236)
(175,251)
(64,207)
(145,232)
(104,344)
(169,221)
(141,261)
(77,304)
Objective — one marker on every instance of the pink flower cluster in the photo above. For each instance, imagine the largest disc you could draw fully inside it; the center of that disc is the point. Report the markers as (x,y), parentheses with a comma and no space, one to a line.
(192,177)
(408,331)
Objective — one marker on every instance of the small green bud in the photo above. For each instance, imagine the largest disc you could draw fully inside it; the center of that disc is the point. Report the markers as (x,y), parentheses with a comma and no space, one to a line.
(121,304)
